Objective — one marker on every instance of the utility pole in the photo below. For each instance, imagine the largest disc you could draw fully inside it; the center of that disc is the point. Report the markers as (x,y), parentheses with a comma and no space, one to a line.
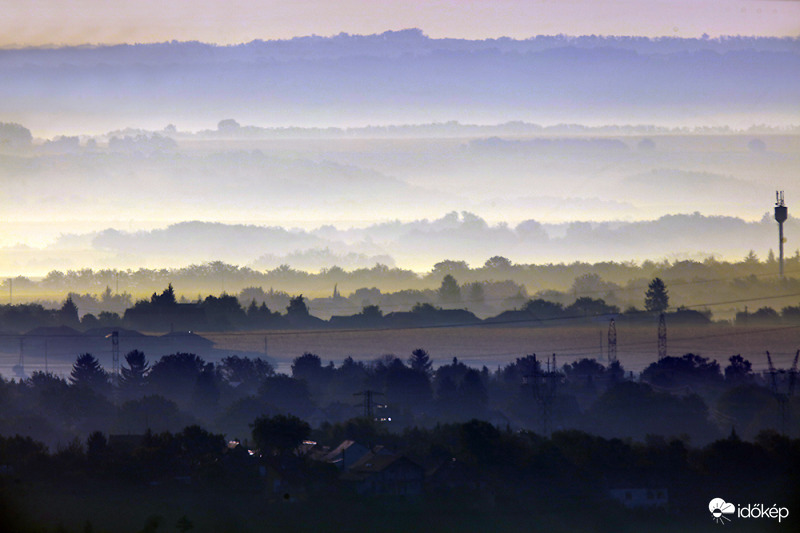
(662,336)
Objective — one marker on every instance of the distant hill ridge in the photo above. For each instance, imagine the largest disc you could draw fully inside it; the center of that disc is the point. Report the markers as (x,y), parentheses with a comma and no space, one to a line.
(386,44)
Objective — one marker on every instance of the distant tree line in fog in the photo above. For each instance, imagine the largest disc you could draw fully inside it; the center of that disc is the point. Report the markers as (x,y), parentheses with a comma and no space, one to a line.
(238,431)
(688,395)
(497,286)
(164,312)
(532,430)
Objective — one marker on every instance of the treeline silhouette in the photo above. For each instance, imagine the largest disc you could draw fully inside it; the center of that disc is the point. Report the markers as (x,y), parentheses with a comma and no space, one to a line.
(480,478)
(386,44)
(212,442)
(689,395)
(164,312)
(497,286)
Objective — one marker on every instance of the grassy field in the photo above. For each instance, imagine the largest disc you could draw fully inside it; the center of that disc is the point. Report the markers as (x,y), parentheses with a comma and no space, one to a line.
(637,346)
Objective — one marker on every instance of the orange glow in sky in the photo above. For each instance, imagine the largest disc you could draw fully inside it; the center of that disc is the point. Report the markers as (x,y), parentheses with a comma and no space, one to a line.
(58,22)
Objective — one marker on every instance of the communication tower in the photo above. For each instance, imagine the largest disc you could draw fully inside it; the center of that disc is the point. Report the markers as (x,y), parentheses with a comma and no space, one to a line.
(781,214)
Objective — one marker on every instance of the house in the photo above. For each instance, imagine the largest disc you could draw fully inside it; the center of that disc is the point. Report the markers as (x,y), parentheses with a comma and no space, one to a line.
(345,455)
(385,474)
(186,341)
(55,341)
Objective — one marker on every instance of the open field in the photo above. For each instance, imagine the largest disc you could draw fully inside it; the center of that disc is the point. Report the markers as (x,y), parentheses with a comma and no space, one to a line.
(486,345)
(496,346)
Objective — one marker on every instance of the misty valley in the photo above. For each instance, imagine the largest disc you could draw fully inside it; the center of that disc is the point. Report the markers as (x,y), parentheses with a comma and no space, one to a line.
(393,282)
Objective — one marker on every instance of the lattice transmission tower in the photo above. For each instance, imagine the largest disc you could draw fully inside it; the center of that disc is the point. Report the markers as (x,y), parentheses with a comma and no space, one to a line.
(612,341)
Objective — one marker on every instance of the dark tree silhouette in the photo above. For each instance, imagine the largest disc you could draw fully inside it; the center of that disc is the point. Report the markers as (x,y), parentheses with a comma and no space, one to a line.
(297,307)
(371,312)
(206,393)
(476,293)
(406,388)
(449,291)
(175,375)
(199,448)
(656,299)
(308,367)
(151,412)
(165,299)
(68,314)
(223,312)
(286,394)
(246,373)
(133,379)
(97,450)
(87,372)
(279,434)
(497,262)
(480,440)
(473,397)
(421,362)
(689,369)
(585,306)
(543,309)
(739,371)
(634,410)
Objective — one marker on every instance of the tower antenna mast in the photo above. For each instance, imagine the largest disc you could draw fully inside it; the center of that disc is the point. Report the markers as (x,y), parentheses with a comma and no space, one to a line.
(781,214)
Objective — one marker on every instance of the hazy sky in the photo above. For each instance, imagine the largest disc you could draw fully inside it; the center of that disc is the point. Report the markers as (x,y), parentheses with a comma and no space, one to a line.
(43,22)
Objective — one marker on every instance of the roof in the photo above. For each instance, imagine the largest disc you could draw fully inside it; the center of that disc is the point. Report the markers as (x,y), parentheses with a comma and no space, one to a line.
(336,452)
(187,337)
(108,330)
(373,463)
(54,331)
